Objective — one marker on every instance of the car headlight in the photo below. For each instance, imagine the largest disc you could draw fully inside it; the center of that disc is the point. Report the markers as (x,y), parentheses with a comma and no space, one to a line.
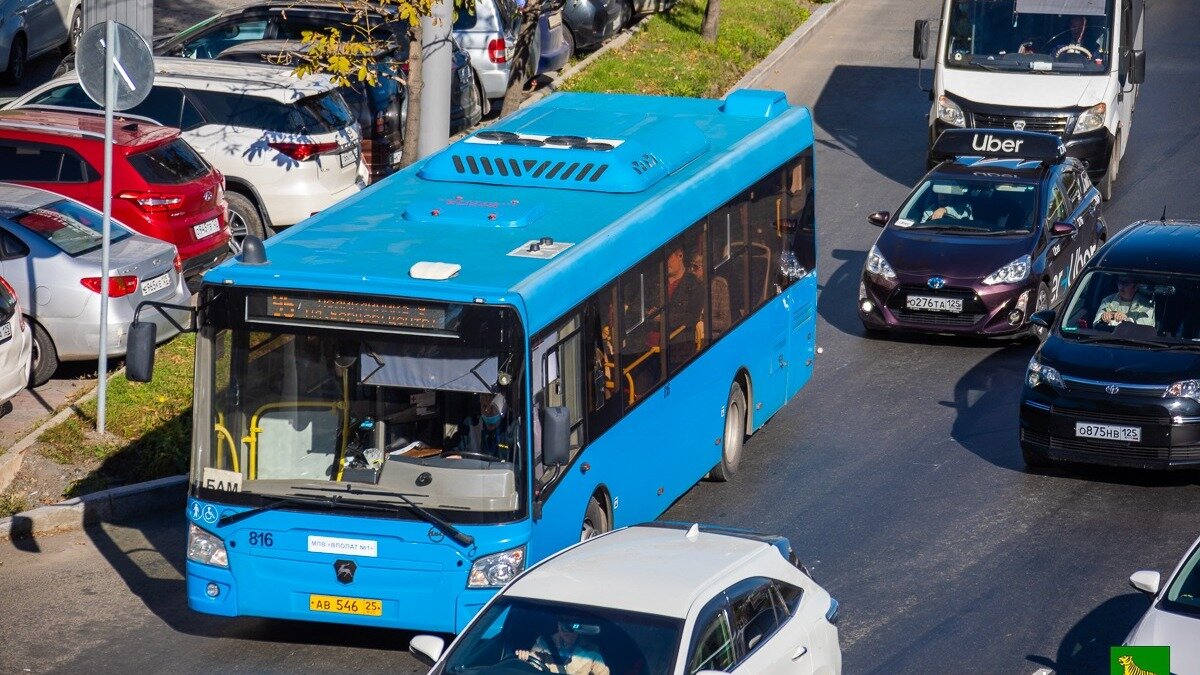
(876,264)
(497,569)
(1017,270)
(1184,389)
(205,547)
(1091,119)
(949,112)
(1039,373)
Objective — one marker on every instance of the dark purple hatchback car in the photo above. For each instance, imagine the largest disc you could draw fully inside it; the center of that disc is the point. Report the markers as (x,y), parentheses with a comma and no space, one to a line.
(987,238)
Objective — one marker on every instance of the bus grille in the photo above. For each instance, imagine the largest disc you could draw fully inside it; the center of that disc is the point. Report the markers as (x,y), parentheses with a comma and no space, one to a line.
(1052,124)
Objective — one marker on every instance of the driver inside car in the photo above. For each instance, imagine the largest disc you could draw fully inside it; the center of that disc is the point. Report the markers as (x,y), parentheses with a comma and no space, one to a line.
(566,651)
(1127,304)
(486,435)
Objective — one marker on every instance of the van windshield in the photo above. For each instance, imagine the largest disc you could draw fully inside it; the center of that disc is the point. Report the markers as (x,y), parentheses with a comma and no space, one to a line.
(1060,36)
(1126,305)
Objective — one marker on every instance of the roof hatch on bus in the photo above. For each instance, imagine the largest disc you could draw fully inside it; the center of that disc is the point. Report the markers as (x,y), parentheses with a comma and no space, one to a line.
(650,153)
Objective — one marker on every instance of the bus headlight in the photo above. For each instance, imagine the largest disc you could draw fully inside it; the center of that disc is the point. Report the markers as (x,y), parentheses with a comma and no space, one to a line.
(497,569)
(1091,119)
(207,548)
(1184,389)
(949,112)
(1017,270)
(1039,373)
(878,265)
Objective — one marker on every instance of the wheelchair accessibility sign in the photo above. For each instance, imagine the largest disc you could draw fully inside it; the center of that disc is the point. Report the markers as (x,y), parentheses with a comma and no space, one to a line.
(205,513)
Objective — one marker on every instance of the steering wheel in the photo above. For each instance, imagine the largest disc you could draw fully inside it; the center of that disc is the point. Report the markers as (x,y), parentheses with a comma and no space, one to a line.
(534,663)
(1076,49)
(473,455)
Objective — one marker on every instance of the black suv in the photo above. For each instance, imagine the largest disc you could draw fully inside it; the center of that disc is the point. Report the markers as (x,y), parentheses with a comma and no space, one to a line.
(265,30)
(1117,380)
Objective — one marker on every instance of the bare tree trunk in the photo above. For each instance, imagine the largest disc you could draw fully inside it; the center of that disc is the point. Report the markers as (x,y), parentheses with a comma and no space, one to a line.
(521,53)
(412,124)
(712,14)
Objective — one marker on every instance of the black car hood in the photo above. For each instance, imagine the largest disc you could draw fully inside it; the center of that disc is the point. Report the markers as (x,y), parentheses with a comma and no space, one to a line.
(961,256)
(1119,363)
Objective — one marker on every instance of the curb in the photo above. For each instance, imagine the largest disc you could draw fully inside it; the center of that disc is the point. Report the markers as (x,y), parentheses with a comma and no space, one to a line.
(115,505)
(10,461)
(797,39)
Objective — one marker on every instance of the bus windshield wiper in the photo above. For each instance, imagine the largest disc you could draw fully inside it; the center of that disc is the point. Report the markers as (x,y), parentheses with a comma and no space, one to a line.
(465,540)
(279,502)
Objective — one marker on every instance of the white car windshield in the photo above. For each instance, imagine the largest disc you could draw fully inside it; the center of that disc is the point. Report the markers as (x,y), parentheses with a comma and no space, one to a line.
(1183,596)
(1070,36)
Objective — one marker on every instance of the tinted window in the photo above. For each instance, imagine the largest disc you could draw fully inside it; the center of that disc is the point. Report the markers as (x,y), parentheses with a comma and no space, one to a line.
(72,227)
(754,615)
(713,648)
(162,105)
(71,96)
(170,164)
(191,117)
(765,208)
(790,595)
(642,344)
(313,115)
(12,247)
(465,16)
(728,285)
(37,164)
(685,297)
(219,38)
(293,24)
(801,227)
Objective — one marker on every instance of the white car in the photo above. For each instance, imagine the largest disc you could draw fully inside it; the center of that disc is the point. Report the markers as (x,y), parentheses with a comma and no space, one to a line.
(16,344)
(288,147)
(30,28)
(1174,616)
(652,599)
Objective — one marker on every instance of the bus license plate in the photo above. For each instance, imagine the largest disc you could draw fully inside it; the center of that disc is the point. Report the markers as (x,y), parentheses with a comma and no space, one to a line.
(207,228)
(152,286)
(1108,432)
(931,304)
(340,605)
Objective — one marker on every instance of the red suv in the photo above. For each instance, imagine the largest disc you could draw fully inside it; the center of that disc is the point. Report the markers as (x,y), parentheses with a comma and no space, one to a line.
(161,186)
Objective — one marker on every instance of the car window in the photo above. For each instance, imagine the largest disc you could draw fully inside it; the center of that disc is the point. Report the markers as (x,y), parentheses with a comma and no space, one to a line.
(466,16)
(173,163)
(162,105)
(790,595)
(754,616)
(713,645)
(190,118)
(968,205)
(318,114)
(218,38)
(1058,204)
(1183,595)
(71,96)
(292,26)
(39,164)
(72,227)
(11,246)
(1072,189)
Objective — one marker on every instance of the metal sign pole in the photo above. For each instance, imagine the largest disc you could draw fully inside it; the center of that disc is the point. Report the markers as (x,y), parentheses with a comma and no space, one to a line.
(110,96)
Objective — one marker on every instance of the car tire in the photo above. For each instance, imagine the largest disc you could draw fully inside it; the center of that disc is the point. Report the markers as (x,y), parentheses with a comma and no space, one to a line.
(1040,301)
(17,55)
(1110,174)
(485,103)
(1034,459)
(626,14)
(43,360)
(244,218)
(735,435)
(73,32)
(595,521)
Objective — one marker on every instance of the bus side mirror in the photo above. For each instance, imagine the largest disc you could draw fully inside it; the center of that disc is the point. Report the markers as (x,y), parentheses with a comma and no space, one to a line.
(139,354)
(1042,319)
(921,39)
(556,436)
(427,648)
(1137,66)
(879,218)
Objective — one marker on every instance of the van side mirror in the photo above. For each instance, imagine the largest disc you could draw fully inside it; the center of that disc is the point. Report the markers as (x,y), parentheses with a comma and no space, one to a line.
(1137,66)
(879,218)
(139,352)
(556,436)
(427,648)
(921,39)
(1042,319)
(1062,229)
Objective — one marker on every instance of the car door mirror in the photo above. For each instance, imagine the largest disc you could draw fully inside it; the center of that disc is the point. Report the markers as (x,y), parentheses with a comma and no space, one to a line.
(1042,319)
(921,39)
(1137,66)
(427,648)
(556,435)
(879,218)
(139,351)
(1146,581)
(1061,229)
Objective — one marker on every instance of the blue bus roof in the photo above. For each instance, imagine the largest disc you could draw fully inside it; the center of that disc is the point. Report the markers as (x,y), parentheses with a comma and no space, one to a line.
(532,177)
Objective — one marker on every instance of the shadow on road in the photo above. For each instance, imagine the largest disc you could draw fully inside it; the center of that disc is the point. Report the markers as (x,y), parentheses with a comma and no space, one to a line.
(1085,647)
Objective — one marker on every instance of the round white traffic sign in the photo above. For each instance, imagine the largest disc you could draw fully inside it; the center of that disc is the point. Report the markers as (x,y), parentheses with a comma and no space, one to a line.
(132,61)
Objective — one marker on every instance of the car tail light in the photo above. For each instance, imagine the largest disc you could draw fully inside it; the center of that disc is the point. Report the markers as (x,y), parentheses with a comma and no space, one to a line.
(16,301)
(178,263)
(118,287)
(496,51)
(153,202)
(304,151)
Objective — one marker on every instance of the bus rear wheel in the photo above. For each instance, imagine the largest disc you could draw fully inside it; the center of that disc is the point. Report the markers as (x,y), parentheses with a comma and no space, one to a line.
(735,434)
(595,521)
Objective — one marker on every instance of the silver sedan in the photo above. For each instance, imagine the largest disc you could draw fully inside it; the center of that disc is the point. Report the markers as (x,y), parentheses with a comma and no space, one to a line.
(51,256)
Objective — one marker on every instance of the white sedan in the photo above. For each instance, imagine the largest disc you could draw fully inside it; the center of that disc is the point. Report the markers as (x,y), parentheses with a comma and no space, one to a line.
(1174,616)
(16,343)
(653,599)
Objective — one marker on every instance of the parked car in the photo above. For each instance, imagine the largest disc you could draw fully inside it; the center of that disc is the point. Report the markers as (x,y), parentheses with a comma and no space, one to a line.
(287,146)
(16,344)
(1117,380)
(555,47)
(656,598)
(51,255)
(487,29)
(592,22)
(381,108)
(161,186)
(1173,619)
(29,29)
(236,31)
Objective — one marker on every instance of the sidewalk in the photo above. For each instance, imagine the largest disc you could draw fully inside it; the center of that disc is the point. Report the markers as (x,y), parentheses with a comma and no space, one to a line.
(129,502)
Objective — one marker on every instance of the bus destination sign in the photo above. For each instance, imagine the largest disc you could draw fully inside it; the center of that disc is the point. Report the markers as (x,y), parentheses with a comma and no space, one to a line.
(300,308)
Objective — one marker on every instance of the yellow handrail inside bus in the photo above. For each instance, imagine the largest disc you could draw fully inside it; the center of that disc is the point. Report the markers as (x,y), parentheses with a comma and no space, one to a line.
(251,439)
(628,371)
(224,435)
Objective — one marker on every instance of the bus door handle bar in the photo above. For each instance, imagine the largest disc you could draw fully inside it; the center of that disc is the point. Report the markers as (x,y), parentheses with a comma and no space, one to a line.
(629,370)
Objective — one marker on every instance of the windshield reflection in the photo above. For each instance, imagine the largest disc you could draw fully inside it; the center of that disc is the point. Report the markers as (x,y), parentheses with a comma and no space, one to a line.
(1071,36)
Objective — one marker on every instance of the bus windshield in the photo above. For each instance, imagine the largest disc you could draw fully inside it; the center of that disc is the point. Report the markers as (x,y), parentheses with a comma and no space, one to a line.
(315,395)
(1059,36)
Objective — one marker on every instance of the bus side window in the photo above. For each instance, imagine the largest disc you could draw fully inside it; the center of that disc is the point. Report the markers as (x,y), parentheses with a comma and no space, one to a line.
(641,349)
(562,375)
(686,298)
(801,212)
(727,263)
(600,334)
(766,213)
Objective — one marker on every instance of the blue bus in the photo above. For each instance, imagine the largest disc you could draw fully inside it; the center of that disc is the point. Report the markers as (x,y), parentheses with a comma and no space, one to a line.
(549,329)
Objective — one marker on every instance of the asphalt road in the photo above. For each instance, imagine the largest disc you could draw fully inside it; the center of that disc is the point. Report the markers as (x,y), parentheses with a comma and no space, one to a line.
(896,472)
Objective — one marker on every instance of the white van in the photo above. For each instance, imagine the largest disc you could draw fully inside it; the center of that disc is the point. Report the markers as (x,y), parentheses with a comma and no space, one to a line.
(1067,67)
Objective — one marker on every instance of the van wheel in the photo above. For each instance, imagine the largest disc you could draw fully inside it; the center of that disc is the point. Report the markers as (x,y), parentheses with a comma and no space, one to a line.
(244,218)
(16,61)
(44,357)
(735,434)
(595,521)
(1110,174)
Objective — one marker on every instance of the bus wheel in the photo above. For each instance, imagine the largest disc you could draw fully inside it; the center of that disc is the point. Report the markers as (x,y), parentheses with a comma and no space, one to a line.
(595,521)
(735,433)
